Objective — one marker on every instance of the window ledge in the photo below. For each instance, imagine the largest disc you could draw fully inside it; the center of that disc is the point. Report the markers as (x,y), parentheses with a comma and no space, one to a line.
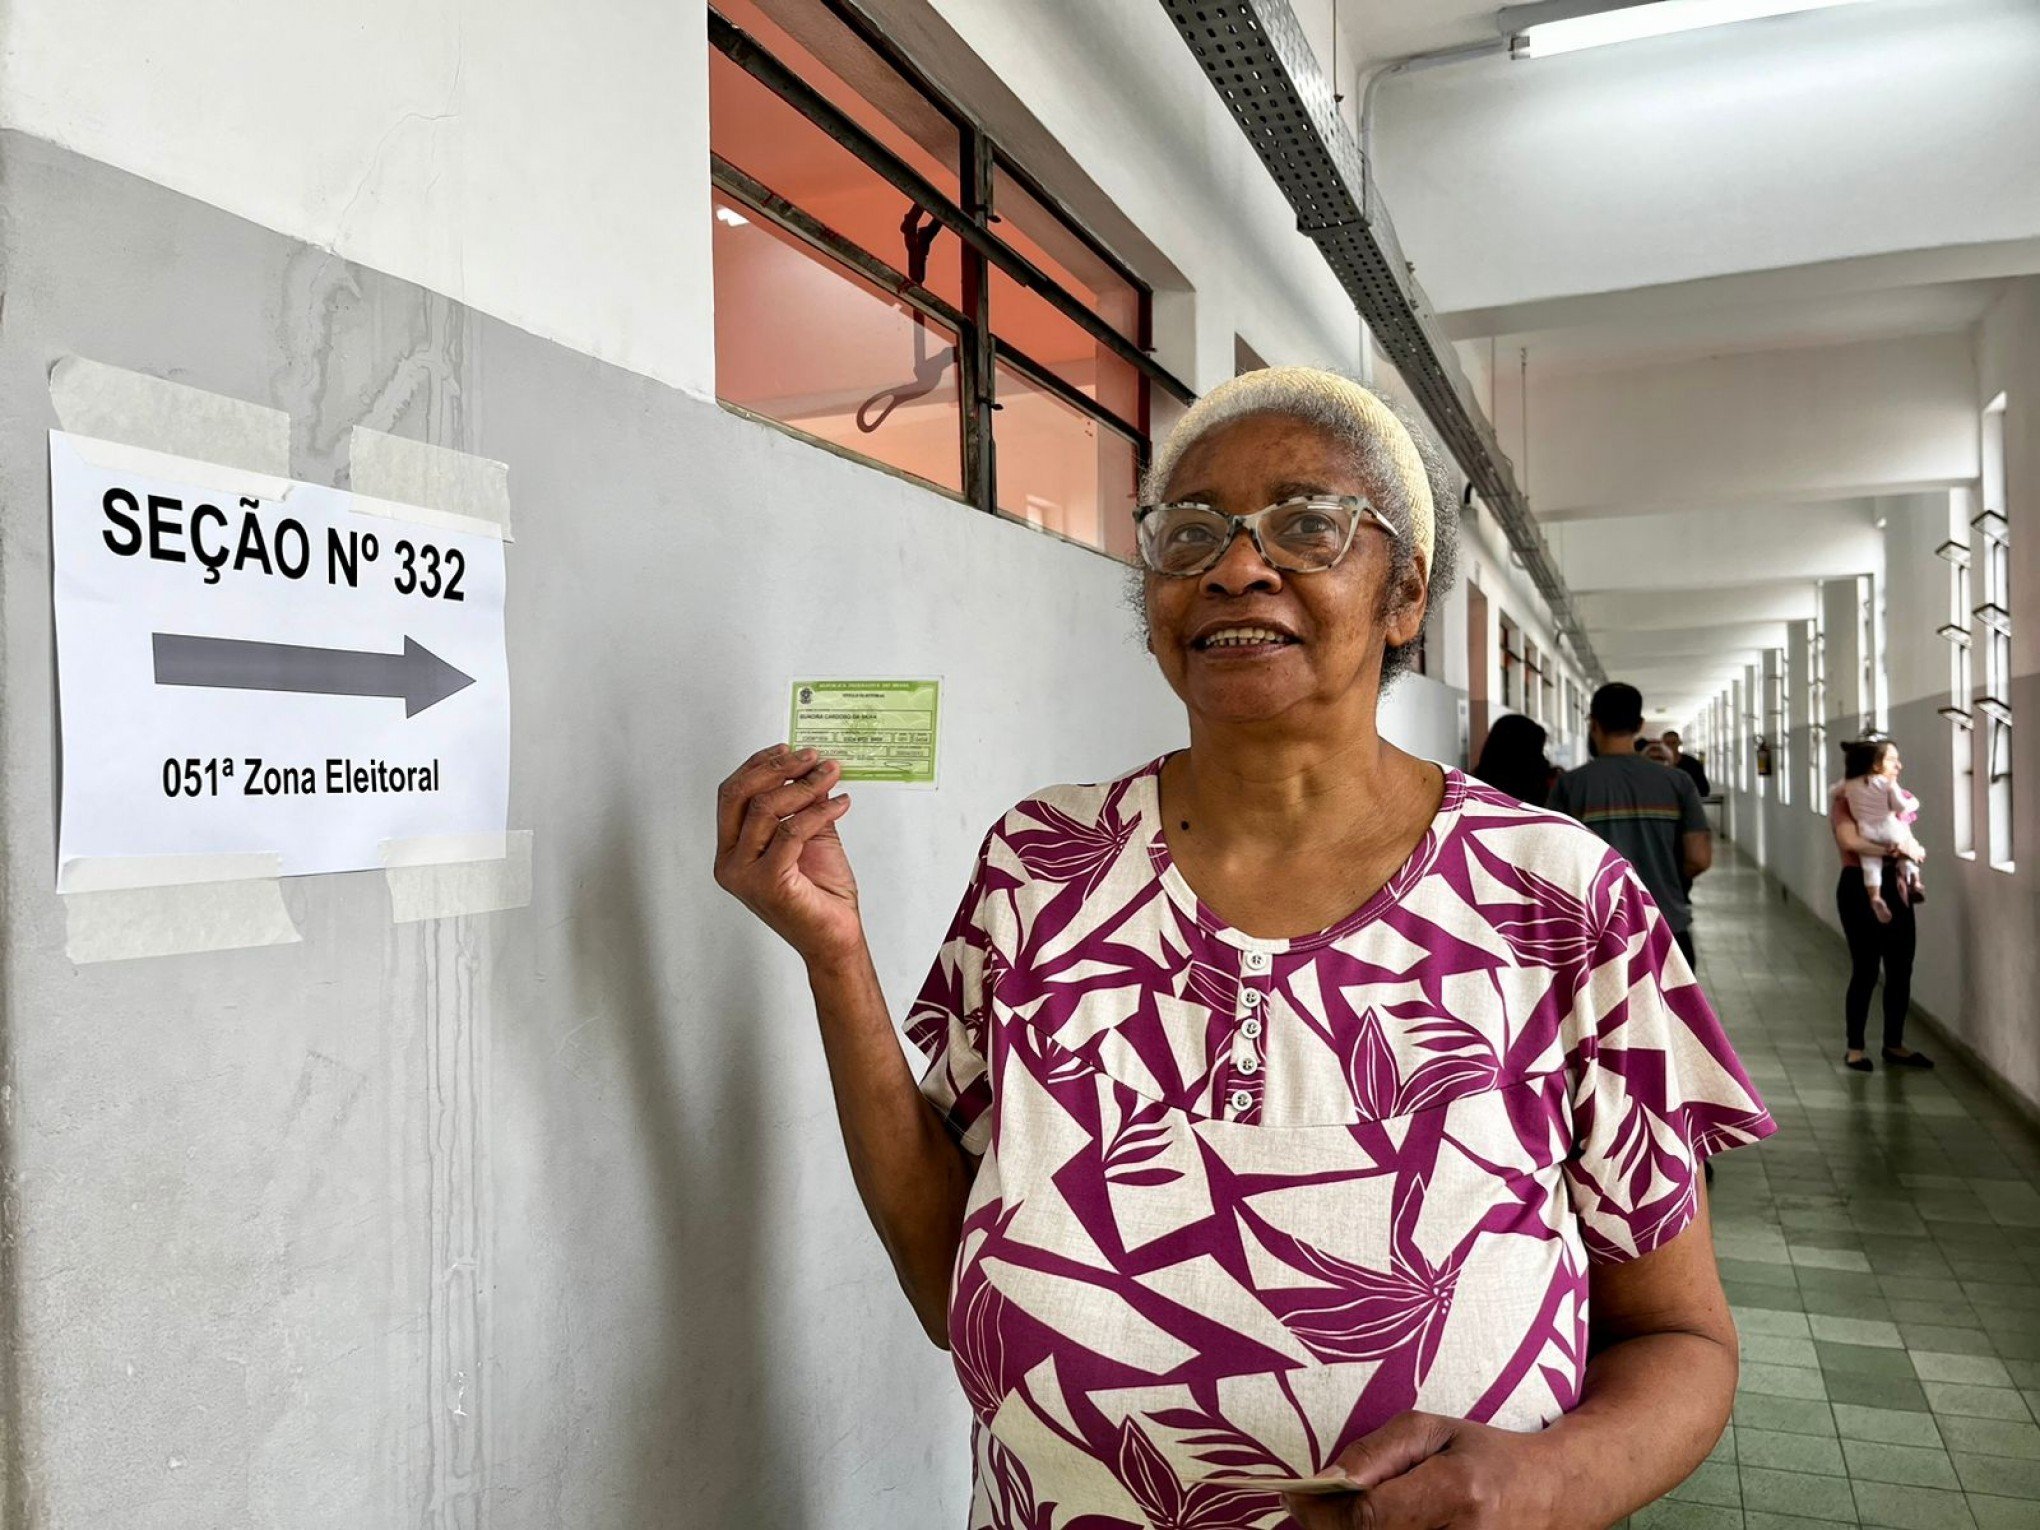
(899,475)
(1066,540)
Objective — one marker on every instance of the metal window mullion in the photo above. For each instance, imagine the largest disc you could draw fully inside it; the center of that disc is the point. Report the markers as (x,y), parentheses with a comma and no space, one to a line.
(874,37)
(769,204)
(1067,391)
(1147,343)
(747,54)
(979,375)
(1054,207)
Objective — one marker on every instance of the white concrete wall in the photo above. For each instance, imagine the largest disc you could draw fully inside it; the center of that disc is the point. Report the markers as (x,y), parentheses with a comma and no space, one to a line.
(1516,181)
(1486,562)
(545,165)
(1841,603)
(1978,964)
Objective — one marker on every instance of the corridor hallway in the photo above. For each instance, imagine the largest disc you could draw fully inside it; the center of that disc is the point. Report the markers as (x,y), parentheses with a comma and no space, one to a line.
(1882,1253)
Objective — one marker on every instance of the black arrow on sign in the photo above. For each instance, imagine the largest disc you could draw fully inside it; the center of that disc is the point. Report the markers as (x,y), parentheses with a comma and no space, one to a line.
(417,674)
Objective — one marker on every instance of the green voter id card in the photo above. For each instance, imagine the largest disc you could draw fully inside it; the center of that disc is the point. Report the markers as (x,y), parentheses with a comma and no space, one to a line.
(880,730)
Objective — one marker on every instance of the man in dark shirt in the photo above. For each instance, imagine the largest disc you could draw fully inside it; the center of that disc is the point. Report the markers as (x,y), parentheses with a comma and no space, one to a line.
(1650,814)
(1686,762)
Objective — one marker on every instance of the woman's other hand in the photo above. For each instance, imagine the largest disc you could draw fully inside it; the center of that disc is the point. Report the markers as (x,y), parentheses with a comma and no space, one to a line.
(777,851)
(1422,1470)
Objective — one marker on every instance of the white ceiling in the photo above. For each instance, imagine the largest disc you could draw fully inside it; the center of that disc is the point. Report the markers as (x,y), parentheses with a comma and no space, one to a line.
(1373,30)
(1639,339)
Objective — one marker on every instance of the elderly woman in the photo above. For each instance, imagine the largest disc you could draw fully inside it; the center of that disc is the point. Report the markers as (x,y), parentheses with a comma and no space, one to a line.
(1307,1129)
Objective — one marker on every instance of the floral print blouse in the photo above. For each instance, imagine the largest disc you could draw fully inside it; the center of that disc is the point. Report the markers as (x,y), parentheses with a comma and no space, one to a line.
(1241,1201)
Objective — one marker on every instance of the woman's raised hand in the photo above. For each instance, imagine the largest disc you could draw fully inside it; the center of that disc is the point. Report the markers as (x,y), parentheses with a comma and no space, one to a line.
(777,851)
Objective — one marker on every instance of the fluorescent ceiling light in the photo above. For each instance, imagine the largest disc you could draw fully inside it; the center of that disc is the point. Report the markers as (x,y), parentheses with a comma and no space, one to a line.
(1567,33)
(731,216)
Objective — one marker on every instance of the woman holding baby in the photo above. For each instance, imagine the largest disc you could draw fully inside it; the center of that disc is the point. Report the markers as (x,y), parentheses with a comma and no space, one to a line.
(1872,815)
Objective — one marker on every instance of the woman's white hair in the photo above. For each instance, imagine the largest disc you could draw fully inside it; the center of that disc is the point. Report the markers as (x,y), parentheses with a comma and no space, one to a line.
(1387,454)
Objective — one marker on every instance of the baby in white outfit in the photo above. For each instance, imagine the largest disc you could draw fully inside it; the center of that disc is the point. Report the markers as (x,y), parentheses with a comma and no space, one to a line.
(1882,810)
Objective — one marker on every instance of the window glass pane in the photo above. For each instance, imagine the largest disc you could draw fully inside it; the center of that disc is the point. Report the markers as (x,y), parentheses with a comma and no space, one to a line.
(1064,255)
(868,90)
(763,136)
(801,339)
(1029,322)
(1060,469)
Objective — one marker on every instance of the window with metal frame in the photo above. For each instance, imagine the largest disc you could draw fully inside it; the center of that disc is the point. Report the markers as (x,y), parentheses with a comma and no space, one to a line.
(890,283)
(1961,694)
(1991,541)
(1746,735)
(1783,661)
(1816,713)
(1512,664)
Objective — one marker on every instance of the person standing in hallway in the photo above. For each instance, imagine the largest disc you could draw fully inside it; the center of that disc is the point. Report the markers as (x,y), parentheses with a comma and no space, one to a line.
(1650,814)
(1873,943)
(1883,810)
(1694,770)
(1512,760)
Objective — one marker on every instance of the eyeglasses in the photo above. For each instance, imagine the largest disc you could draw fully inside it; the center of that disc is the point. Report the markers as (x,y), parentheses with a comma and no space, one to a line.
(1305,535)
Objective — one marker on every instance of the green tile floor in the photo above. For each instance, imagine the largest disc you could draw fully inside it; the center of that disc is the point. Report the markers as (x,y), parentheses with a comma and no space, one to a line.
(1882,1253)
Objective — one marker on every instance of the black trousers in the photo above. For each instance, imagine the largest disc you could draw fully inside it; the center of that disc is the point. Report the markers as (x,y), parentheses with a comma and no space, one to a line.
(1872,945)
(1685,939)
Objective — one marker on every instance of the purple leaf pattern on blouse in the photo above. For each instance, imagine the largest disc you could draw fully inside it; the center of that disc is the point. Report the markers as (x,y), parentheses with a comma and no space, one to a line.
(1141,1138)
(1371,1313)
(1170,1503)
(1240,1201)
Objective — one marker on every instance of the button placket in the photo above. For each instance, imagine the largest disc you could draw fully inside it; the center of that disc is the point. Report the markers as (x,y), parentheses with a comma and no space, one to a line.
(1248,1028)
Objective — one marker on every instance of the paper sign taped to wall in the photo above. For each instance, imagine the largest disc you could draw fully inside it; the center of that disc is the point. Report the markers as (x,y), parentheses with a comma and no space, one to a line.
(270,671)
(880,730)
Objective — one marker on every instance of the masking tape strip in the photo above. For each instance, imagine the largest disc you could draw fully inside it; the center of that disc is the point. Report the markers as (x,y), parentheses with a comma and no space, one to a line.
(171,905)
(115,457)
(445,849)
(111,404)
(412,481)
(422,887)
(109,873)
